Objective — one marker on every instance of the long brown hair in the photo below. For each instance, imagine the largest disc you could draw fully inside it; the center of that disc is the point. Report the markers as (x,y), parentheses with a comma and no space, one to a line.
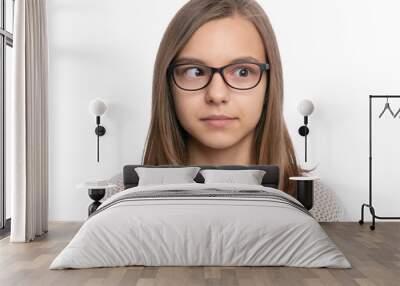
(166,139)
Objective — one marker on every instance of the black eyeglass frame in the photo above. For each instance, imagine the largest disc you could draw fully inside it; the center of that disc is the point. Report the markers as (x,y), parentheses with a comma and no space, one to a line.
(263,67)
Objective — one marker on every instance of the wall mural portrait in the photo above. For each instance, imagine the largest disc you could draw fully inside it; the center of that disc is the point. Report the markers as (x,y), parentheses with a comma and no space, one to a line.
(217,93)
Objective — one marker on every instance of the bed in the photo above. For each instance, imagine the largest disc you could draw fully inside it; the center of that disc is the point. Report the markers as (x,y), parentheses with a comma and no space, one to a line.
(201,224)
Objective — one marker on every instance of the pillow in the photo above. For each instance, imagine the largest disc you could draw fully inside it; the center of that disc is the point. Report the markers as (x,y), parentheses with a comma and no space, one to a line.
(249,176)
(161,176)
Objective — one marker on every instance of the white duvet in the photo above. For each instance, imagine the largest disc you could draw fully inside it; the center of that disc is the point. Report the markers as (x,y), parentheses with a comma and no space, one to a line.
(190,230)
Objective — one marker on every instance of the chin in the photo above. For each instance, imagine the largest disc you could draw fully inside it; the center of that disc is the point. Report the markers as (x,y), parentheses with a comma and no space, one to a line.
(218,143)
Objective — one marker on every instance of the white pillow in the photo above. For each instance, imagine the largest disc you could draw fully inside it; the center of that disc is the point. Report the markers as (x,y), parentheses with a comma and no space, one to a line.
(248,176)
(167,175)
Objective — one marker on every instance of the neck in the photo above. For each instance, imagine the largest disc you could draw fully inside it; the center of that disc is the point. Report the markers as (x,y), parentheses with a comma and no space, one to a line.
(242,153)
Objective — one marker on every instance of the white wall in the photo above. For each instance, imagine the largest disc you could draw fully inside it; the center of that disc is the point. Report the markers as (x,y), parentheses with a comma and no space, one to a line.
(335,53)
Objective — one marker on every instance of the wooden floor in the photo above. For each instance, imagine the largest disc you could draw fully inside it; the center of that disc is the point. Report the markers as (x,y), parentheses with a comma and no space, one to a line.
(374,255)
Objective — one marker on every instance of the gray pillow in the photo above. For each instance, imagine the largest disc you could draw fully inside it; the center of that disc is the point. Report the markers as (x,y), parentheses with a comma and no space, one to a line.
(161,176)
(249,177)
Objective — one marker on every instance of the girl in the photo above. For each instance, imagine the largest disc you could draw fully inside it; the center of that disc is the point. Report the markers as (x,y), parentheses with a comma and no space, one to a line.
(218,91)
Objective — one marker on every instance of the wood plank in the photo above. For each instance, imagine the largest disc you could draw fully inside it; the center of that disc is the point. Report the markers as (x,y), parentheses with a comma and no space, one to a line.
(374,255)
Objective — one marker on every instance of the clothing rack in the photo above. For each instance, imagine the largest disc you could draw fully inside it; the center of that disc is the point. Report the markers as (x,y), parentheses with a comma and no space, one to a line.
(369,205)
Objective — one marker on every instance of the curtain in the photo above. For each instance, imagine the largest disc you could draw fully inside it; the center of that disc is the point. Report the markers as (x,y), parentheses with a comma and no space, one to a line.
(28,122)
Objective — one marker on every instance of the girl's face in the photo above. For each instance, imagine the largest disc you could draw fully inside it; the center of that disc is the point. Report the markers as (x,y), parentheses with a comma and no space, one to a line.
(216,44)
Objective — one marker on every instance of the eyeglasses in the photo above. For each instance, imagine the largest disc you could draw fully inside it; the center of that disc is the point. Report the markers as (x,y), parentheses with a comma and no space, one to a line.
(191,77)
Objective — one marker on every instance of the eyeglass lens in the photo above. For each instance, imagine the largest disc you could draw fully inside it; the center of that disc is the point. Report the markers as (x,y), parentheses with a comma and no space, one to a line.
(240,76)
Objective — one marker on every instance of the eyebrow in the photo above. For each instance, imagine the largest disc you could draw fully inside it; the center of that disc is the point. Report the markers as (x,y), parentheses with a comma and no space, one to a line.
(190,60)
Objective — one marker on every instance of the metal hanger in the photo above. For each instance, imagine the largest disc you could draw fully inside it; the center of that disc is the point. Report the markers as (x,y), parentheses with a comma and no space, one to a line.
(398,111)
(387,107)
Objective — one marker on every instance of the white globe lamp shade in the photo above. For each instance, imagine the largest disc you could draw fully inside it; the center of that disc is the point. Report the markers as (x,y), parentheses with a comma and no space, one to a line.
(97,107)
(305,107)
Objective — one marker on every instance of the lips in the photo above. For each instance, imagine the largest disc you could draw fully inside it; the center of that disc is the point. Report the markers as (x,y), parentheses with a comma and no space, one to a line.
(217,117)
(218,120)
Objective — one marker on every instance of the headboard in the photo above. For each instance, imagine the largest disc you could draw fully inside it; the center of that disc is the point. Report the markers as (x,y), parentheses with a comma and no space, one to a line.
(270,179)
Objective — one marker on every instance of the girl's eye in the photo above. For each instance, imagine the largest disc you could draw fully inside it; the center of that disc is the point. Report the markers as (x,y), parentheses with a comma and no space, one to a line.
(242,72)
(194,72)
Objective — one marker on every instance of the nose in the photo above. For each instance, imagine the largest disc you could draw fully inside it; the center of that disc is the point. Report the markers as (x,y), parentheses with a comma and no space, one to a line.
(217,91)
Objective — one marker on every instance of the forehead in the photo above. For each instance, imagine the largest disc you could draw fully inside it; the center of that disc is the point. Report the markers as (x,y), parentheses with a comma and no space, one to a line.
(221,41)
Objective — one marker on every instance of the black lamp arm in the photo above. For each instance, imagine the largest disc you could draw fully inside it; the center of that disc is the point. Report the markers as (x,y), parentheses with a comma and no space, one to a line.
(305,120)
(100,131)
(303,131)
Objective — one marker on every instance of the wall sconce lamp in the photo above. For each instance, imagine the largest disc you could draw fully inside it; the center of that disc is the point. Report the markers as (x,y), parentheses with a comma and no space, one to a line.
(305,108)
(97,107)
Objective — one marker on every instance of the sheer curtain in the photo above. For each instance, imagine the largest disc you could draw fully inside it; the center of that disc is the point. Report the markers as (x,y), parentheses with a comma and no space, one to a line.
(27,118)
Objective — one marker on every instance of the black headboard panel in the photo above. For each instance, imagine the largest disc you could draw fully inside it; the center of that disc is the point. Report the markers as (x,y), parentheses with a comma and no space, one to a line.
(270,179)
